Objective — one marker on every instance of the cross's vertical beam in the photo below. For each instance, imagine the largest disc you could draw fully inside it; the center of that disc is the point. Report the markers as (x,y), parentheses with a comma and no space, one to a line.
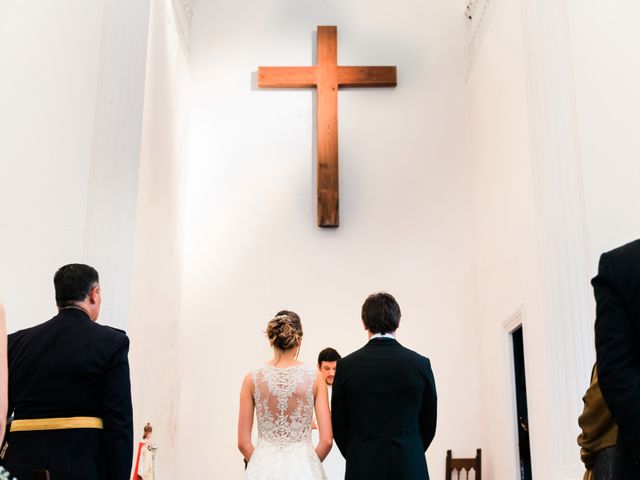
(327,127)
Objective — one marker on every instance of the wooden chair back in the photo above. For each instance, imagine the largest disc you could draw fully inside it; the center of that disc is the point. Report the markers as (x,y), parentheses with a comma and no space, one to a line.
(459,465)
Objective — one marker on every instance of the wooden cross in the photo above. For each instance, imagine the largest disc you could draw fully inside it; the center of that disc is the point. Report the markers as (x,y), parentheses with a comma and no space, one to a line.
(327,77)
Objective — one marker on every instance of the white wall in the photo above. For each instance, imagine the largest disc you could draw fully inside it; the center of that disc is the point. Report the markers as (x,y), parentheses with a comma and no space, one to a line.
(251,243)
(70,116)
(525,192)
(552,107)
(604,41)
(47,97)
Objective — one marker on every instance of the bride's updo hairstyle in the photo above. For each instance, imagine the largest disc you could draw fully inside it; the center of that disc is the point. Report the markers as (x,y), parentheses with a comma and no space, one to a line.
(284,331)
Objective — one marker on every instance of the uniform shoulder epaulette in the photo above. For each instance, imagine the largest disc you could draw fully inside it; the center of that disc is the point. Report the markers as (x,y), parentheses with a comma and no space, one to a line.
(115,329)
(19,333)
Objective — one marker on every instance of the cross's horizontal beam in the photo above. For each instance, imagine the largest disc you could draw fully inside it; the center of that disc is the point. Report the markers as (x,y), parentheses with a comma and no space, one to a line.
(286,77)
(367,76)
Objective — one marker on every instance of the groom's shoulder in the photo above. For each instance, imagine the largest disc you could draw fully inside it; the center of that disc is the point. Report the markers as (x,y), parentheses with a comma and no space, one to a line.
(414,356)
(353,356)
(406,354)
(354,359)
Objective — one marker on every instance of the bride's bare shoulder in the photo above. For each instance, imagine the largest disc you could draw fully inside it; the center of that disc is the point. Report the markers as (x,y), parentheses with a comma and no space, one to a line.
(247,384)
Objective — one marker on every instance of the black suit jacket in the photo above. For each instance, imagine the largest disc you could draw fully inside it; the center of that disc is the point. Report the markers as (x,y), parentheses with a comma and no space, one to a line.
(617,293)
(383,410)
(71,366)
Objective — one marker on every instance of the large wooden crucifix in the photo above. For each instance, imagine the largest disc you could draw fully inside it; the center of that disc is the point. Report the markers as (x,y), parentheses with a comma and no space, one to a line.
(327,77)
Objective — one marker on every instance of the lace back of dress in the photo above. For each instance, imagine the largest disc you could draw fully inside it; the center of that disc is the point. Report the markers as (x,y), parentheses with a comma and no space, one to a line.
(284,403)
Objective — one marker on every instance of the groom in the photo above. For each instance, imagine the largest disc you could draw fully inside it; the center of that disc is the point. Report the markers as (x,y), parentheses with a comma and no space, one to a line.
(384,402)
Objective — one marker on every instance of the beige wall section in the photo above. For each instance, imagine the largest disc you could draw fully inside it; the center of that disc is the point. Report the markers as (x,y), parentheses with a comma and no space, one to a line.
(70,121)
(157,260)
(48,96)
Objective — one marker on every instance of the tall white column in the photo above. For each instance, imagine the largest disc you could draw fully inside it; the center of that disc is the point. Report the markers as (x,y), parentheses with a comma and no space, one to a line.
(560,223)
(156,321)
(113,182)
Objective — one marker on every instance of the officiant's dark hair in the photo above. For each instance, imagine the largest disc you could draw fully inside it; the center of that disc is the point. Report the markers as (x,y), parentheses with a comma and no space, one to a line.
(381,313)
(328,355)
(73,283)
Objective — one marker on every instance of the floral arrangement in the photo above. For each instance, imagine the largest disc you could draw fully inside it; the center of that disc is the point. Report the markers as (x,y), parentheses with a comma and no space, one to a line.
(4,475)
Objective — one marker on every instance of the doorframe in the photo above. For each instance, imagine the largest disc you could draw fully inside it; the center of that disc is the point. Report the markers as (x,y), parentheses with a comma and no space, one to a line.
(513,322)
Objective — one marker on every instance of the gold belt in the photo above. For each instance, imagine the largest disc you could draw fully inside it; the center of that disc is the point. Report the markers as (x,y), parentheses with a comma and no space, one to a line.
(67,423)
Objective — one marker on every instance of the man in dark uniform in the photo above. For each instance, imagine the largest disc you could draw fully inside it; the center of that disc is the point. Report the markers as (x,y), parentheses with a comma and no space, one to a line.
(384,403)
(69,390)
(617,292)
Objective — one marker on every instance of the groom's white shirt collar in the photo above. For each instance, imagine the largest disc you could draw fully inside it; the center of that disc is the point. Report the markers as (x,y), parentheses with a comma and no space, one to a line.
(382,335)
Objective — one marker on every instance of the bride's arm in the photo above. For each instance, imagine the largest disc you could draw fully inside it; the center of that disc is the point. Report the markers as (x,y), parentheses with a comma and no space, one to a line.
(245,418)
(4,374)
(323,415)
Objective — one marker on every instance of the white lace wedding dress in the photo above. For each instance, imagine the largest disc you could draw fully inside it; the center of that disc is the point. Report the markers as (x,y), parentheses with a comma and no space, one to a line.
(284,408)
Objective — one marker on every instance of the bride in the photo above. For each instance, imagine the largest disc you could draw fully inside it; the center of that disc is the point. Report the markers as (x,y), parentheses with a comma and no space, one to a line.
(284,393)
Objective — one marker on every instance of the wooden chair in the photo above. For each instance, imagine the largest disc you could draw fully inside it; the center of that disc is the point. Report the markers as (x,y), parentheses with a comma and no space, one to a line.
(41,475)
(467,464)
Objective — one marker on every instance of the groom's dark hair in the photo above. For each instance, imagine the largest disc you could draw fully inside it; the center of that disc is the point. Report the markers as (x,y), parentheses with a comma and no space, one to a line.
(381,313)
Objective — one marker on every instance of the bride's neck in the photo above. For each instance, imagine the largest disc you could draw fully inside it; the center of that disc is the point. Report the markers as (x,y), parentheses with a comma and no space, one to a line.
(284,357)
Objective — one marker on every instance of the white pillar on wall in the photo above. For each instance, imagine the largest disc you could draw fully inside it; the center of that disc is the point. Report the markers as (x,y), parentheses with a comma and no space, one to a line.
(156,318)
(113,181)
(562,239)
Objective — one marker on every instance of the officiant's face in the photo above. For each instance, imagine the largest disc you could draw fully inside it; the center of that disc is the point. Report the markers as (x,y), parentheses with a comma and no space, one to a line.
(328,370)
